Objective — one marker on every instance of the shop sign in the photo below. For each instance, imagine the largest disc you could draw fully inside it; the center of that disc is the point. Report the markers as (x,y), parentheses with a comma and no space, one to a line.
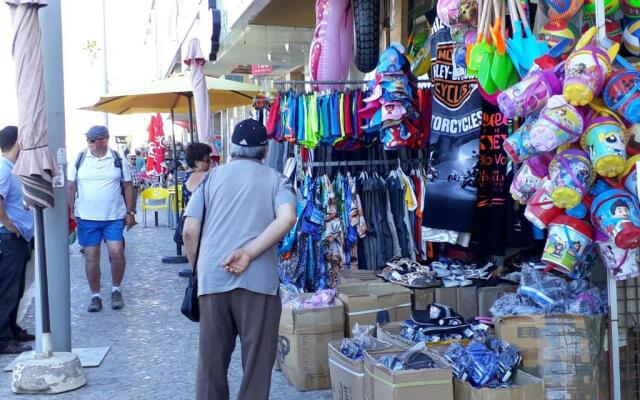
(261,69)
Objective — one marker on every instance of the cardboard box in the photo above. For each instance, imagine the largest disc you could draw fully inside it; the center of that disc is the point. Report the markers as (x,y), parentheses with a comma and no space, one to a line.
(390,333)
(526,387)
(302,344)
(350,276)
(462,299)
(383,384)
(363,301)
(347,375)
(488,295)
(565,350)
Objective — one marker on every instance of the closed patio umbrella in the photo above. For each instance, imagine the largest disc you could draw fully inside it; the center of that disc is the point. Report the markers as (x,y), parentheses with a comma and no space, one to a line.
(195,60)
(35,166)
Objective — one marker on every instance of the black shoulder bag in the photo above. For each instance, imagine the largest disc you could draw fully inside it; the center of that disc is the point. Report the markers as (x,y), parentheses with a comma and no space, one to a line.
(190,306)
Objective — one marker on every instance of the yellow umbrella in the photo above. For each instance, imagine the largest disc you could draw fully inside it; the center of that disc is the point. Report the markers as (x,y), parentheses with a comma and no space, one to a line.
(175,94)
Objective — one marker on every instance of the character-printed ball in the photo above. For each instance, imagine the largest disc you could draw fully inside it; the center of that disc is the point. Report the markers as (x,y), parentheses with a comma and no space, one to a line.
(631,38)
(563,9)
(630,8)
(610,7)
(613,29)
(555,31)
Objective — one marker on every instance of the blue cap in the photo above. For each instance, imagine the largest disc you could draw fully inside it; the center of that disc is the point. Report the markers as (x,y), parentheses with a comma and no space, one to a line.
(97,132)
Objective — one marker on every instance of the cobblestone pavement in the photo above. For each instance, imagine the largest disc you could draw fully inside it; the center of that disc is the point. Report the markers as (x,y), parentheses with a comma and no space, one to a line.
(153,347)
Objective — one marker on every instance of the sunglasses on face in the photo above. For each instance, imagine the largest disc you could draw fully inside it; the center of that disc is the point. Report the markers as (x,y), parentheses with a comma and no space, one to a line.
(97,140)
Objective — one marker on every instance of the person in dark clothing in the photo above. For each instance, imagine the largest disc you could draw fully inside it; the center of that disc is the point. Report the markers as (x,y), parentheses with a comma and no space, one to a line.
(16,230)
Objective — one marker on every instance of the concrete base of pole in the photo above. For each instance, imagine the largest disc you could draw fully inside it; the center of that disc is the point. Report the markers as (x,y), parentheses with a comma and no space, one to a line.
(62,372)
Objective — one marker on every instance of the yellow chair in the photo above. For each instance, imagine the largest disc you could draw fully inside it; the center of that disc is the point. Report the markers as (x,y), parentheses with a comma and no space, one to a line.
(154,199)
(173,204)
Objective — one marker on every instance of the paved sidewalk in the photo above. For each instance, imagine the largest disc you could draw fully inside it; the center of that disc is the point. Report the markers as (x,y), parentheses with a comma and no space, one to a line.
(153,347)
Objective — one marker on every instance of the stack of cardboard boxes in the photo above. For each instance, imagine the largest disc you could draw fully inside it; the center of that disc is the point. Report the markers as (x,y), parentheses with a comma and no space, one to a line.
(302,344)
(565,350)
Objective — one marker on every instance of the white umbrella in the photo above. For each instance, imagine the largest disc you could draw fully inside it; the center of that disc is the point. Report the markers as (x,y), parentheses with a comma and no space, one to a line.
(195,60)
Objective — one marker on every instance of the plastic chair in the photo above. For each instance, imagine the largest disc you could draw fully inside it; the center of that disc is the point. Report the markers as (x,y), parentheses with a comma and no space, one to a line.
(154,199)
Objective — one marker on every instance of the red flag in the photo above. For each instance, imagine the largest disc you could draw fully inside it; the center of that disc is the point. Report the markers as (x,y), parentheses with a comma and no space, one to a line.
(151,141)
(159,145)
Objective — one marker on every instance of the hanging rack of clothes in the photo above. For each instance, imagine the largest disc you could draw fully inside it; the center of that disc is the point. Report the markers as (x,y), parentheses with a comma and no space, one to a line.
(347,114)
(357,216)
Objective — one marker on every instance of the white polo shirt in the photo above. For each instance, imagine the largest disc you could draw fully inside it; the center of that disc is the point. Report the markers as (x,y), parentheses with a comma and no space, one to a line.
(99,195)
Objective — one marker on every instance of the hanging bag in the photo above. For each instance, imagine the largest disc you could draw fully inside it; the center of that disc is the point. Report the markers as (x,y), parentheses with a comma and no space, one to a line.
(190,306)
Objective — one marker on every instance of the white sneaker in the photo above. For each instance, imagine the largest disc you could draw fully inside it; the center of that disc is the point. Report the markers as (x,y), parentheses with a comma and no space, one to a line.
(440,269)
(450,281)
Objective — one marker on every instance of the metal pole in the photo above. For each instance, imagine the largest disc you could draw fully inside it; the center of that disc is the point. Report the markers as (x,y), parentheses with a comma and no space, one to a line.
(189,97)
(105,75)
(179,258)
(56,219)
(614,339)
(41,262)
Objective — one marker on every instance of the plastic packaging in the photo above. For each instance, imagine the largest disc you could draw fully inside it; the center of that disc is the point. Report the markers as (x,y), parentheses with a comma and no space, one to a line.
(411,359)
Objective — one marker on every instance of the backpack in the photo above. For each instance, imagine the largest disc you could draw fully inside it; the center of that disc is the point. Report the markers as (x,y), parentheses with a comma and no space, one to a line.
(117,161)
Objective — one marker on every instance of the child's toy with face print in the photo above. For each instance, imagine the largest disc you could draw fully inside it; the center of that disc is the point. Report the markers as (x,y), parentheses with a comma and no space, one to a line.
(518,145)
(622,94)
(559,123)
(567,242)
(587,69)
(540,209)
(605,140)
(629,177)
(530,94)
(529,179)
(622,263)
(571,177)
(616,213)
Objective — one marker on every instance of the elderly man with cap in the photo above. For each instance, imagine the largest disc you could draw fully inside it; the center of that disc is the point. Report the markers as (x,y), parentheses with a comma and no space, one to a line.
(239,213)
(103,200)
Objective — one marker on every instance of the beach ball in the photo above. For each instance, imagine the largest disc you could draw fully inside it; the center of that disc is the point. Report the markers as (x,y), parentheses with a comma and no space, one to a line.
(613,29)
(610,7)
(563,9)
(631,38)
(630,8)
(555,31)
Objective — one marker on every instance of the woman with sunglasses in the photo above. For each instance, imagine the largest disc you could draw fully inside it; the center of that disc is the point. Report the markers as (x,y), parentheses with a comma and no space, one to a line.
(199,161)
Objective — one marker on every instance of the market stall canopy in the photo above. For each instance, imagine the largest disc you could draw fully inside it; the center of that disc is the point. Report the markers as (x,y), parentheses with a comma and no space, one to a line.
(174,94)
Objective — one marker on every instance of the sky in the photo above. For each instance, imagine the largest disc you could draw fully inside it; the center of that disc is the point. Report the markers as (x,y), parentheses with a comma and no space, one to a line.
(130,63)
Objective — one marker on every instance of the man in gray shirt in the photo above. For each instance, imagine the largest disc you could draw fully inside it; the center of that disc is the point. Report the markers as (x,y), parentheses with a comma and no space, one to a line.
(247,208)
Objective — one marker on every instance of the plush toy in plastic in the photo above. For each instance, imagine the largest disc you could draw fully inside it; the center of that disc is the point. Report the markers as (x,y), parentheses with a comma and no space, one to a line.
(331,47)
(587,69)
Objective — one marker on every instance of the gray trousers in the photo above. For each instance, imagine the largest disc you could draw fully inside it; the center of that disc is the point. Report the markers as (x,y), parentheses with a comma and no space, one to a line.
(255,318)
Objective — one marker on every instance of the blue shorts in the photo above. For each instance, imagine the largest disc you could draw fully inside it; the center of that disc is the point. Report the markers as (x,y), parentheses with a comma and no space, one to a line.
(91,233)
